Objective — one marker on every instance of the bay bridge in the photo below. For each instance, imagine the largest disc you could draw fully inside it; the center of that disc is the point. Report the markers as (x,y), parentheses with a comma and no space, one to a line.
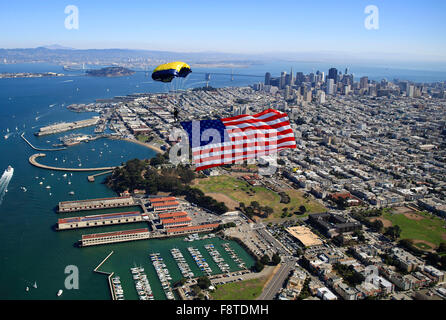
(207,75)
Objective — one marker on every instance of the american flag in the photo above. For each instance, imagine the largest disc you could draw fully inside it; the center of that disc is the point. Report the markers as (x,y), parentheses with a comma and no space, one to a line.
(229,140)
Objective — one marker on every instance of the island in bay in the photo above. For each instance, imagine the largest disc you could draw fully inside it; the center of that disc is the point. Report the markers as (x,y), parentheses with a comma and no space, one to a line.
(110,72)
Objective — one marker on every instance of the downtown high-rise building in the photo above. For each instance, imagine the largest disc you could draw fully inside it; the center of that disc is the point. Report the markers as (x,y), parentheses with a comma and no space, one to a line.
(330,89)
(282,80)
(364,83)
(300,77)
(333,74)
(267,78)
(292,78)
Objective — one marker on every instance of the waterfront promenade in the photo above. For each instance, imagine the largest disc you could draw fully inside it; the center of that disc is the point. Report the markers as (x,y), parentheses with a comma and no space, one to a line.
(33,161)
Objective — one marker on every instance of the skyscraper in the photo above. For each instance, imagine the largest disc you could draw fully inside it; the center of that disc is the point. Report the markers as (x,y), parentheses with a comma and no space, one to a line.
(292,79)
(333,74)
(364,83)
(282,80)
(267,78)
(330,86)
(299,78)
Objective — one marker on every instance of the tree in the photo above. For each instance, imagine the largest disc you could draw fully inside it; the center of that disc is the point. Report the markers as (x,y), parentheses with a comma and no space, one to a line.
(442,248)
(443,262)
(275,259)
(393,232)
(204,282)
(302,209)
(265,259)
(268,211)
(377,225)
(255,205)
(258,266)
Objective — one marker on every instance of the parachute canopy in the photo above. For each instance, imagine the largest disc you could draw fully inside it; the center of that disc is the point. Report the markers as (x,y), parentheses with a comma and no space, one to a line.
(166,72)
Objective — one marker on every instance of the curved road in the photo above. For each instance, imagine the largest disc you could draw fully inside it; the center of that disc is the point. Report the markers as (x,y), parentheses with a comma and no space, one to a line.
(33,161)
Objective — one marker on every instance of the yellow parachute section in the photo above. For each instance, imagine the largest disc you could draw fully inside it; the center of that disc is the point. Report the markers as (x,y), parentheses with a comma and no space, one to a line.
(168,71)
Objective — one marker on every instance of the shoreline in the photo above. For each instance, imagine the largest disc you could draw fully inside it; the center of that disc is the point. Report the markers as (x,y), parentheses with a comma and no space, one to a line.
(158,150)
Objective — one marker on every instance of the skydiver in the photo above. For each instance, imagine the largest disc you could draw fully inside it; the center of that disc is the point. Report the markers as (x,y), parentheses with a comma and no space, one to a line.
(175,114)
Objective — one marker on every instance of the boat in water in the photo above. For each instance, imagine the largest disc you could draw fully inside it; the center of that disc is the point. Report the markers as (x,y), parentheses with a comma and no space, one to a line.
(10,170)
(59,293)
(35,285)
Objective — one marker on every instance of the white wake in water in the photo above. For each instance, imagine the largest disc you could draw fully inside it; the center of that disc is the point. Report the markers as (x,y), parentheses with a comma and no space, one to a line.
(4,182)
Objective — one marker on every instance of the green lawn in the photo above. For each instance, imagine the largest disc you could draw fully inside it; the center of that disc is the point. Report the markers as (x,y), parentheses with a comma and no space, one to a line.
(243,290)
(430,228)
(142,138)
(241,191)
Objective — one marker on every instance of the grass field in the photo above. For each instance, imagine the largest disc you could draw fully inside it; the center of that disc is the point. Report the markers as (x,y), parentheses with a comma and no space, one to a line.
(426,230)
(241,191)
(244,290)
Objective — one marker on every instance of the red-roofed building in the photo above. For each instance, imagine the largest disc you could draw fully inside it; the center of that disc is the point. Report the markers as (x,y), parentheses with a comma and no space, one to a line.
(177,222)
(116,236)
(164,204)
(170,215)
(192,229)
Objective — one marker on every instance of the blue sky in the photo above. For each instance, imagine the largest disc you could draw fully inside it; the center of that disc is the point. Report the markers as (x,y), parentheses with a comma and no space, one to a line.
(244,26)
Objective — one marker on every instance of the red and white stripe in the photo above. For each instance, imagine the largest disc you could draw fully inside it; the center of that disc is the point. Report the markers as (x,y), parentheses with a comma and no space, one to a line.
(251,136)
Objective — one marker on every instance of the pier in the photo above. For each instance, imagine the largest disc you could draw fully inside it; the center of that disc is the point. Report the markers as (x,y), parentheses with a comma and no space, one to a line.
(93,204)
(66,126)
(34,162)
(39,149)
(99,220)
(91,178)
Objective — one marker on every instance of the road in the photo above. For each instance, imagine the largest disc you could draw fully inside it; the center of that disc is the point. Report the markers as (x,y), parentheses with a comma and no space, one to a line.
(277,280)
(281,249)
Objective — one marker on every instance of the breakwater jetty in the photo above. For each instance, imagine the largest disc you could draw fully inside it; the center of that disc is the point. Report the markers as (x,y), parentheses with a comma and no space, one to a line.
(33,161)
(109,275)
(39,149)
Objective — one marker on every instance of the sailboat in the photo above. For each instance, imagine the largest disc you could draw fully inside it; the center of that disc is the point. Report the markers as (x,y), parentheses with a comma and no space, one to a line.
(35,285)
(27,289)
(59,293)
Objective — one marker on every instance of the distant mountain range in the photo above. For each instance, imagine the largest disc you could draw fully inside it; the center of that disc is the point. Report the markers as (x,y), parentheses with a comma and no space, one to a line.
(64,55)
(56,47)
(58,54)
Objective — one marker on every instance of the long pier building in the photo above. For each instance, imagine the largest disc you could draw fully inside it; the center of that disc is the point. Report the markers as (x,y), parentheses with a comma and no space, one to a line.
(93,204)
(100,220)
(113,237)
